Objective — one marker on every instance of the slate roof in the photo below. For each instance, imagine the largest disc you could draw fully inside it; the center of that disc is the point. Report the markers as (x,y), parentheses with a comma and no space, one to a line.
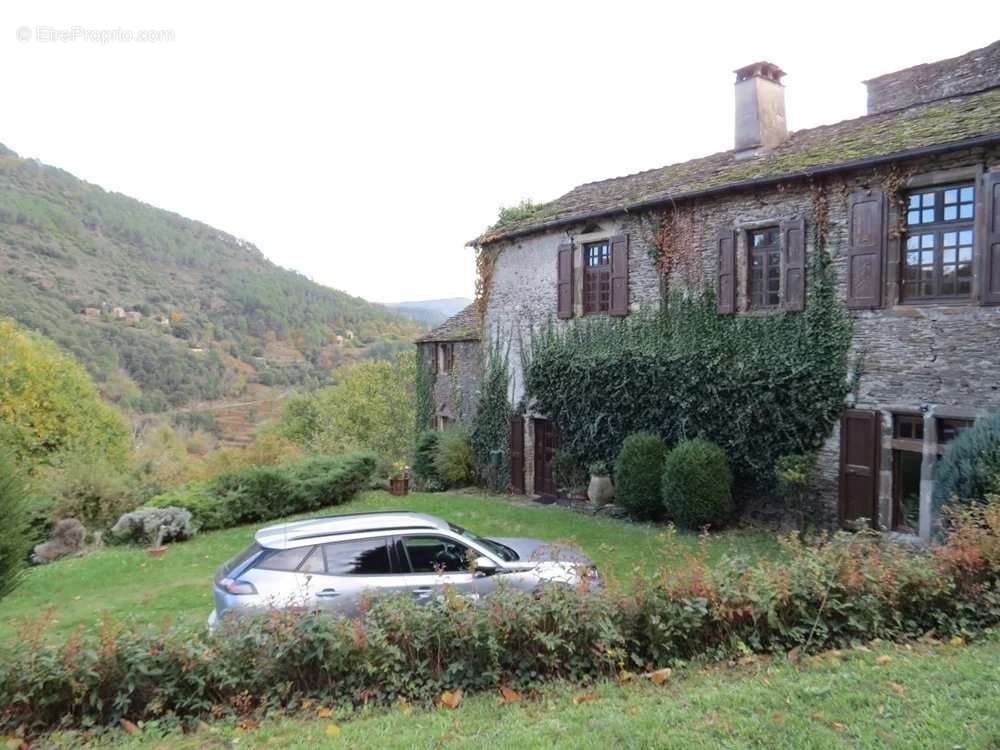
(947,124)
(462,326)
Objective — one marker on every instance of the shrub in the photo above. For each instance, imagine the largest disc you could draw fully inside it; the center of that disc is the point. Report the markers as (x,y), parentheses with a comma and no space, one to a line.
(67,538)
(142,526)
(454,460)
(970,465)
(638,473)
(568,473)
(90,490)
(697,484)
(795,476)
(14,541)
(599,469)
(262,493)
(491,423)
(851,589)
(424,471)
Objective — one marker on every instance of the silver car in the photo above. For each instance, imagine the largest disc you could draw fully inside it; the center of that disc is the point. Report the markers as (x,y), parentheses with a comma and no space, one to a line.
(329,562)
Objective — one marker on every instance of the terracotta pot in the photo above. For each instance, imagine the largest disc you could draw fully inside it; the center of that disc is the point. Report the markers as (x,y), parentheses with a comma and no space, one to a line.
(157,551)
(399,486)
(600,491)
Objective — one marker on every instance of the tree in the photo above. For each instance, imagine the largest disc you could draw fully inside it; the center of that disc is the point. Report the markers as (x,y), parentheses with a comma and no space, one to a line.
(14,539)
(50,406)
(371,408)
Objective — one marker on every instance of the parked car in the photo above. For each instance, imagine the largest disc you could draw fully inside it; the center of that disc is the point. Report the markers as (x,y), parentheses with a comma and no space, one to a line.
(328,562)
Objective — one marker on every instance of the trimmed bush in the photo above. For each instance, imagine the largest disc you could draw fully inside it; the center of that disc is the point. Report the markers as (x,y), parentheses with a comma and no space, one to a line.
(454,460)
(970,466)
(14,540)
(142,526)
(638,473)
(854,588)
(697,485)
(425,473)
(262,493)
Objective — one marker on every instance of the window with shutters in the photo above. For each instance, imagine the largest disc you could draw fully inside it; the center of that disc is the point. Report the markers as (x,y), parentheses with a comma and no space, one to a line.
(939,244)
(447,356)
(597,277)
(765,267)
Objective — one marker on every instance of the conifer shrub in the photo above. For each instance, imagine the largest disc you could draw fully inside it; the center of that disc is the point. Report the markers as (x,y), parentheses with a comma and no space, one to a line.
(638,473)
(424,471)
(970,466)
(454,460)
(697,485)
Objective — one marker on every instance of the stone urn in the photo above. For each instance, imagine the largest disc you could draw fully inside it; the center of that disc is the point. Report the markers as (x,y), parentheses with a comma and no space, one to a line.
(600,491)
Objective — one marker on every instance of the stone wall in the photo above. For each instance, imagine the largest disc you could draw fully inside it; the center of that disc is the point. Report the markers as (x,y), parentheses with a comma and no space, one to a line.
(973,71)
(938,360)
(456,393)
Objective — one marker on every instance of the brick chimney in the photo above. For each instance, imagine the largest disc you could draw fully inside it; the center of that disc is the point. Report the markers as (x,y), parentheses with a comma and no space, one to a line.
(760,107)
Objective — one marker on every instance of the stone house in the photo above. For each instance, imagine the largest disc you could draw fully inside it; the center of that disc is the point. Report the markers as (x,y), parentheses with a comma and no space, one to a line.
(911,206)
(452,352)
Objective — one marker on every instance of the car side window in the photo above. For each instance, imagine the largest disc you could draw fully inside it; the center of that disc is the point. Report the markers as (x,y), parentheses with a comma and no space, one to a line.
(364,557)
(435,554)
(314,563)
(286,559)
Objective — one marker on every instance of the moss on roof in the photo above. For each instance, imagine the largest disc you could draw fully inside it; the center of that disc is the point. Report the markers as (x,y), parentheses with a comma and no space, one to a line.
(462,326)
(872,136)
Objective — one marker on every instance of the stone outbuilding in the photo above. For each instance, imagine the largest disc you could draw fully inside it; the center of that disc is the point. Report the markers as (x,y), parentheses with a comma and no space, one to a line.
(452,352)
(912,218)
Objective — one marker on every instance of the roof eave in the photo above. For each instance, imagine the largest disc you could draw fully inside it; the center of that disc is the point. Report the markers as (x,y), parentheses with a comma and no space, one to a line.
(489,238)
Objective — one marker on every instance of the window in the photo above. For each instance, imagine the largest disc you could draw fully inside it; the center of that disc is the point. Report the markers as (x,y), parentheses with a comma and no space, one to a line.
(286,559)
(435,554)
(939,250)
(447,354)
(363,557)
(597,277)
(949,429)
(907,463)
(765,267)
(908,427)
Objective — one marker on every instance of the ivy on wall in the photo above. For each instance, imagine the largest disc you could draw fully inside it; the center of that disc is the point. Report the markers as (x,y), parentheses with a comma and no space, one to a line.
(424,393)
(761,386)
(491,425)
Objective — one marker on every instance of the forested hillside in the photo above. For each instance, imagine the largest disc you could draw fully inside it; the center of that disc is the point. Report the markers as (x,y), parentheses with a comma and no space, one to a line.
(163,310)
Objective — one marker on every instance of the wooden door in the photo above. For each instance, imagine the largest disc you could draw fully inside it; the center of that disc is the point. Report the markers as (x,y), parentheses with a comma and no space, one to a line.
(517,454)
(546,443)
(859,465)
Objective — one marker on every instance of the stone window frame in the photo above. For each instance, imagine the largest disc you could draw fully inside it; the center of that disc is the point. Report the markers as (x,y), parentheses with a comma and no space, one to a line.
(892,268)
(743,296)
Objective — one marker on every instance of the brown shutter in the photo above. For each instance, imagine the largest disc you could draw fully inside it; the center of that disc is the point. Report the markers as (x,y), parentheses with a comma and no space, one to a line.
(434,358)
(619,275)
(725,302)
(793,264)
(991,239)
(865,249)
(859,469)
(564,303)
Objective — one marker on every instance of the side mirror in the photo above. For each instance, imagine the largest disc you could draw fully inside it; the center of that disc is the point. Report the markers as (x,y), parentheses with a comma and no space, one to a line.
(484,566)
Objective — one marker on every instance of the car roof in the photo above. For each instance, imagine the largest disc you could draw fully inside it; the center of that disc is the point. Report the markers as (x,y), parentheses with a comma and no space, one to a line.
(312,530)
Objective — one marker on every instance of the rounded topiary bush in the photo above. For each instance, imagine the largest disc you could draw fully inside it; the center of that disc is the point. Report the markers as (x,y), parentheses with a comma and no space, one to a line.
(637,475)
(970,467)
(697,486)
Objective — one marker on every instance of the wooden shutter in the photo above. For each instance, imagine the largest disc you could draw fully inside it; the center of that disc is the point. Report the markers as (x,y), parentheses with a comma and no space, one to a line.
(866,248)
(859,469)
(991,239)
(619,275)
(725,302)
(434,358)
(517,454)
(793,264)
(564,303)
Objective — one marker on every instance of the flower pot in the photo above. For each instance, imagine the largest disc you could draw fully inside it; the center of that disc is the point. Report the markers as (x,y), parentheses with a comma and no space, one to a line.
(600,491)
(399,486)
(157,551)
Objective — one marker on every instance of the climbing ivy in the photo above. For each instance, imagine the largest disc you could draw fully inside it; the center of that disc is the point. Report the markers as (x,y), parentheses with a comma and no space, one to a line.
(424,394)
(491,425)
(760,386)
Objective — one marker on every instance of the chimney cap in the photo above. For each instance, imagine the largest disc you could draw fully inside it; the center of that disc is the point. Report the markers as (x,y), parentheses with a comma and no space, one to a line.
(762,69)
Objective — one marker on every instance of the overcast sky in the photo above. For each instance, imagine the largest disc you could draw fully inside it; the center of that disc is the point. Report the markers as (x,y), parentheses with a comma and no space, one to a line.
(364,143)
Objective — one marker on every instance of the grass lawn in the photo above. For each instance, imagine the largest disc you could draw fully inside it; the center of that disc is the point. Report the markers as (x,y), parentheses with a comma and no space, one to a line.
(920,696)
(127,583)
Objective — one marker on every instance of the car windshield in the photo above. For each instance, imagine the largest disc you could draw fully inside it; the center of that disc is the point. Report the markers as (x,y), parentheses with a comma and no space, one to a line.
(504,553)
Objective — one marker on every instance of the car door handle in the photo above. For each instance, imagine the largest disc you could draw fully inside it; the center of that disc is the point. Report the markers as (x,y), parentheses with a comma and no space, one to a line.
(328,593)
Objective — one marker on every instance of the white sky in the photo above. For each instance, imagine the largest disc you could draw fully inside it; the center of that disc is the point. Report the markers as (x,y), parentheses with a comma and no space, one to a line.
(363,143)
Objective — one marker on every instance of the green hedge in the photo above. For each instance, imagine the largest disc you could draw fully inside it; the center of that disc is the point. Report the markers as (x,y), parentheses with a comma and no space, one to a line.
(261,493)
(852,589)
(697,485)
(759,386)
